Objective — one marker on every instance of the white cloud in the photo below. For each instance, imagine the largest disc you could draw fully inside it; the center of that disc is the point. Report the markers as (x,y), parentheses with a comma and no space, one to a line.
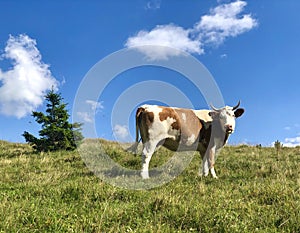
(169,36)
(292,142)
(294,126)
(212,29)
(86,116)
(95,107)
(121,131)
(224,21)
(153,5)
(224,55)
(63,81)
(24,85)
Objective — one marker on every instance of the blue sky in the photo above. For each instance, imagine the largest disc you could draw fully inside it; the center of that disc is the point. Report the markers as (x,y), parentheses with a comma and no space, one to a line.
(251,48)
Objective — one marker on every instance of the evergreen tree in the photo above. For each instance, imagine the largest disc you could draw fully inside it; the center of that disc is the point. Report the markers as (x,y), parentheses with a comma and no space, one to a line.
(56,132)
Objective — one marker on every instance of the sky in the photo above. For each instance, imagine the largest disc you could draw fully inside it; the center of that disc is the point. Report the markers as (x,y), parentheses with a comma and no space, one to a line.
(250,49)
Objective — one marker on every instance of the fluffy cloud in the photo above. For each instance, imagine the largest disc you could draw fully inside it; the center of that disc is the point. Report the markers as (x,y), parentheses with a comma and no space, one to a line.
(224,21)
(121,131)
(95,107)
(292,142)
(24,85)
(212,29)
(86,117)
(169,36)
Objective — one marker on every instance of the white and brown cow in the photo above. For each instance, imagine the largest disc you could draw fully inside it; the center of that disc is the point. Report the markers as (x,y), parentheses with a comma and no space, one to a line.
(180,129)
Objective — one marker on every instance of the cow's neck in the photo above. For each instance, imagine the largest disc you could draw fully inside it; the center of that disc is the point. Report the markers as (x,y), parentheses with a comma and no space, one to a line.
(226,138)
(219,133)
(220,138)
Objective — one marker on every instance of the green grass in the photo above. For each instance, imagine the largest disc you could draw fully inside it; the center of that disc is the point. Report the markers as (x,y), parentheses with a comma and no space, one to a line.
(258,190)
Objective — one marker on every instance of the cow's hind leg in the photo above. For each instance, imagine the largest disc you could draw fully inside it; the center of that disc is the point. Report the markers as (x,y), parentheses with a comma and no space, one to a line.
(148,150)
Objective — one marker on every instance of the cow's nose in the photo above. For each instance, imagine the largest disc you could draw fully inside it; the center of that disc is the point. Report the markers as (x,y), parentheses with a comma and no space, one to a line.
(229,128)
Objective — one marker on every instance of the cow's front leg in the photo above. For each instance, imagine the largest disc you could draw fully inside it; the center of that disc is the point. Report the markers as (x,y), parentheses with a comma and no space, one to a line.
(211,161)
(213,173)
(205,170)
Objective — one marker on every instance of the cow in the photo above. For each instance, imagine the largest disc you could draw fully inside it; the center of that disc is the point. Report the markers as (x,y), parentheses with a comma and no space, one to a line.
(180,129)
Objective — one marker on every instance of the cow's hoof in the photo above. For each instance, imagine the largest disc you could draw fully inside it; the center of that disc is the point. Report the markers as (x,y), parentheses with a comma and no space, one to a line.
(203,174)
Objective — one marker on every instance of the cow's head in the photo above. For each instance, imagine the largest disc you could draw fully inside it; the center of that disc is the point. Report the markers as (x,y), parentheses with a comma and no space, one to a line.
(226,116)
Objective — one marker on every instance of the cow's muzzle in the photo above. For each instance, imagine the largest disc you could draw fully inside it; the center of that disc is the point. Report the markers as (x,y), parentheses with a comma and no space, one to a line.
(229,129)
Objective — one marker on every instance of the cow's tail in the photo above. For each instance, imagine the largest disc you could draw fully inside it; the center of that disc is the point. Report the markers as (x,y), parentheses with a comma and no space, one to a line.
(133,148)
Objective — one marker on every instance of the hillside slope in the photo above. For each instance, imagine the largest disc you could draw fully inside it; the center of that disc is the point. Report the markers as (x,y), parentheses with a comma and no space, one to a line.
(257,190)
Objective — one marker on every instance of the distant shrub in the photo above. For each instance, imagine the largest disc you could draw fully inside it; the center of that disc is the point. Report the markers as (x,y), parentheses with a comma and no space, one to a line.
(278,146)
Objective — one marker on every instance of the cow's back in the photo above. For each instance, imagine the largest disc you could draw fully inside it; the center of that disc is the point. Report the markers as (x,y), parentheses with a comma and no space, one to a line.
(170,126)
(203,115)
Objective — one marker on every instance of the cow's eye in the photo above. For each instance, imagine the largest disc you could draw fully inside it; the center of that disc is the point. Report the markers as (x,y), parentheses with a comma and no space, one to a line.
(230,114)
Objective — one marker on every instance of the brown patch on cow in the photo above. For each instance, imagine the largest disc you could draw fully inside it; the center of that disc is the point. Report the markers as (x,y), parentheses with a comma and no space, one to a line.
(186,121)
(150,117)
(144,120)
(191,124)
(170,113)
(143,115)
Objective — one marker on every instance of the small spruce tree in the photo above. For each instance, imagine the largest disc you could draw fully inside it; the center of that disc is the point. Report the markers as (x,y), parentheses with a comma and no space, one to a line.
(56,132)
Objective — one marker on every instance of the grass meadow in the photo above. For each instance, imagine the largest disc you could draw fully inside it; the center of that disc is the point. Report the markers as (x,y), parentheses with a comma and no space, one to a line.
(258,190)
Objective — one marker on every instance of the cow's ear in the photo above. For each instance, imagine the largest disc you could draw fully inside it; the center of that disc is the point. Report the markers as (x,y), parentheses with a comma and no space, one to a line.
(239,112)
